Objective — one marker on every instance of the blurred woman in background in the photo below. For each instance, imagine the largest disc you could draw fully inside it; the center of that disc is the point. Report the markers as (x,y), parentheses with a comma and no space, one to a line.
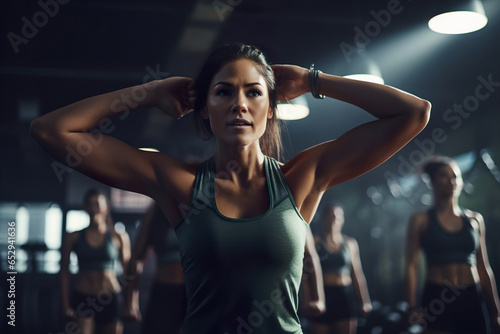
(346,292)
(459,294)
(167,297)
(94,302)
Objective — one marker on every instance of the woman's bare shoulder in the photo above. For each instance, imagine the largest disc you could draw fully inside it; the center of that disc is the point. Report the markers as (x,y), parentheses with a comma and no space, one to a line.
(473,215)
(419,221)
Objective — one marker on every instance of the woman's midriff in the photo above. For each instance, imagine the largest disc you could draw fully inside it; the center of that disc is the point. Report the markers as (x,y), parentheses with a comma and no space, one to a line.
(92,282)
(454,273)
(336,279)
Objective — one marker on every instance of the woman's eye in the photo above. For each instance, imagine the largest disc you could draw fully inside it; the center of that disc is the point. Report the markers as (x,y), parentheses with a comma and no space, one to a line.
(255,92)
(223,92)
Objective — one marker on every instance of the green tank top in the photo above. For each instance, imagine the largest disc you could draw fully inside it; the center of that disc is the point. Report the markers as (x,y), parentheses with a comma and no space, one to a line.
(242,275)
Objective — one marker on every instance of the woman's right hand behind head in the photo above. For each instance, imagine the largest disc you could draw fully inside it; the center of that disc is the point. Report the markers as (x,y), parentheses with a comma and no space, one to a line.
(174,96)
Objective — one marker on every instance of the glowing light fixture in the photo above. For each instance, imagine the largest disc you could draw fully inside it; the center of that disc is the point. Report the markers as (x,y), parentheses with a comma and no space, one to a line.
(294,109)
(148,149)
(461,19)
(366,77)
(363,68)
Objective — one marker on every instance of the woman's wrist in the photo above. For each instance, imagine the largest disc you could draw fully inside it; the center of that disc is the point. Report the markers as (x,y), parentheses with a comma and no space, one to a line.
(146,95)
(313,79)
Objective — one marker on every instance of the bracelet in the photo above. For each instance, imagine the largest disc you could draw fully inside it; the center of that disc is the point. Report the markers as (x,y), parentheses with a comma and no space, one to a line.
(314,82)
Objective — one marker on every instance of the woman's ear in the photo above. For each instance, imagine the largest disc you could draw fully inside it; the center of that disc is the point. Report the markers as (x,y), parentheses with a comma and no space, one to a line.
(270,114)
(204,113)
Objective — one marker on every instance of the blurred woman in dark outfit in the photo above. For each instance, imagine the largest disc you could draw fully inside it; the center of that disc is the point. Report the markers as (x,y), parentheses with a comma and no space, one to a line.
(95,302)
(167,297)
(346,292)
(459,295)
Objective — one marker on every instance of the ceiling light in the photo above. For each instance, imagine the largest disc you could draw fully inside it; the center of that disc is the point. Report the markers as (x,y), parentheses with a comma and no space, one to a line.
(460,19)
(363,68)
(366,77)
(148,149)
(294,109)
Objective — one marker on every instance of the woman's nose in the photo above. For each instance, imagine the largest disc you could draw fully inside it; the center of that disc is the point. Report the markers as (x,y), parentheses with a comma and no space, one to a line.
(240,103)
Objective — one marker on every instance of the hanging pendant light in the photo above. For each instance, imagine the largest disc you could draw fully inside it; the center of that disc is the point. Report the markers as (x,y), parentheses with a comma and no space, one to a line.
(363,68)
(294,109)
(460,18)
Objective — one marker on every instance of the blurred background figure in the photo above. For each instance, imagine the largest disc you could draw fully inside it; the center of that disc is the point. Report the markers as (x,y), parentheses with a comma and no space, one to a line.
(167,298)
(312,293)
(459,293)
(346,292)
(94,301)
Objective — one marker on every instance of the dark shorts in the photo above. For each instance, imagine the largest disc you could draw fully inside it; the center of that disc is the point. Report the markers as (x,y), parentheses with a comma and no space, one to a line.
(340,305)
(104,308)
(454,309)
(166,309)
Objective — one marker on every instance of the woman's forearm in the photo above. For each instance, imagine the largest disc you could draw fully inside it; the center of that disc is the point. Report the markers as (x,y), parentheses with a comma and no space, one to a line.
(64,277)
(363,292)
(411,288)
(379,100)
(131,291)
(488,286)
(84,115)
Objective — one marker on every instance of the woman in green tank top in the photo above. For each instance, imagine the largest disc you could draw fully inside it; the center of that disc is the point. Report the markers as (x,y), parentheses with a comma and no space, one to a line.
(241,216)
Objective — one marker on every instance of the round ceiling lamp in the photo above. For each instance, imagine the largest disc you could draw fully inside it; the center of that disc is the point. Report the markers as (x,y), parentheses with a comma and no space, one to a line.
(460,19)
(294,109)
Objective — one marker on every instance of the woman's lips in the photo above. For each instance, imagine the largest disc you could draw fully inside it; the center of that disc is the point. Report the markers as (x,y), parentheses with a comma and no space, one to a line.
(239,123)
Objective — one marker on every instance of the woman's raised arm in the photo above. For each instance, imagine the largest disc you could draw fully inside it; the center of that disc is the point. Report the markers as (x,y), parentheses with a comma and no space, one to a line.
(78,135)
(401,116)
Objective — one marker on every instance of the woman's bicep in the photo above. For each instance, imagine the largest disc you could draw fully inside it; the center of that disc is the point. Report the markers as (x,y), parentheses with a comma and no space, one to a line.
(103,158)
(365,147)
(124,250)
(483,264)
(357,269)
(413,239)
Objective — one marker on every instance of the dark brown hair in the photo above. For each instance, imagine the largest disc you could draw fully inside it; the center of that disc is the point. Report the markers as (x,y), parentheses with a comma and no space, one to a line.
(431,165)
(270,141)
(97,192)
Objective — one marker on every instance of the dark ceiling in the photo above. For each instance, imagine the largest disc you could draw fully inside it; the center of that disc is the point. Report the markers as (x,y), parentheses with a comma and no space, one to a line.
(55,52)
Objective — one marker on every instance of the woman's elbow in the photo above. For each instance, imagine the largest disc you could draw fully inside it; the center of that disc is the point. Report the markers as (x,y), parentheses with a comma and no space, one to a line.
(38,129)
(423,112)
(45,132)
(418,117)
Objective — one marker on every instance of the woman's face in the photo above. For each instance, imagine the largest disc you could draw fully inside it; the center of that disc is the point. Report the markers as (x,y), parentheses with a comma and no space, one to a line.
(448,180)
(238,104)
(335,218)
(97,205)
